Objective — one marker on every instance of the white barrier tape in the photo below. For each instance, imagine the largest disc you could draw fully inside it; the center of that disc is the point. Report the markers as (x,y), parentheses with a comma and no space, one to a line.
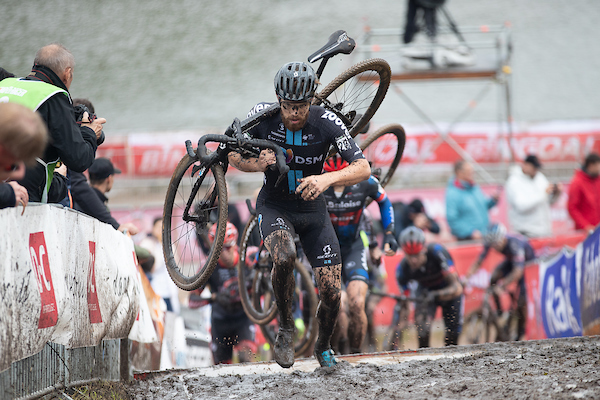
(66,278)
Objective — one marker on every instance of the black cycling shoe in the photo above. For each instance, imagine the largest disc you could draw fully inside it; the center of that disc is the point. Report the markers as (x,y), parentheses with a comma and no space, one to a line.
(325,358)
(283,351)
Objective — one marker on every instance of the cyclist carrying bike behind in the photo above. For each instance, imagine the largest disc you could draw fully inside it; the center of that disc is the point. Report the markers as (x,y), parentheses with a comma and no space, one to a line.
(297,206)
(433,269)
(346,205)
(230,326)
(517,251)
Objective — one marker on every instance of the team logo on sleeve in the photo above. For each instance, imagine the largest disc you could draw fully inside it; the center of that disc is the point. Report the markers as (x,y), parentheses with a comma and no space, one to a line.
(342,143)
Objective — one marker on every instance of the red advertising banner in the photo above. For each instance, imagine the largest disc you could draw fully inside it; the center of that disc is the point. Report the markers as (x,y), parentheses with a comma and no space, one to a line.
(153,155)
(92,294)
(38,251)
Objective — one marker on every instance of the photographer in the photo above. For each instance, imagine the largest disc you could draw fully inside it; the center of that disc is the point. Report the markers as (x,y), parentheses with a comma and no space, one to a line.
(46,90)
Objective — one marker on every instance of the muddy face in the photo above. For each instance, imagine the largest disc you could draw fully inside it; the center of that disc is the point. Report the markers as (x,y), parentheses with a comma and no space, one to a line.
(294,114)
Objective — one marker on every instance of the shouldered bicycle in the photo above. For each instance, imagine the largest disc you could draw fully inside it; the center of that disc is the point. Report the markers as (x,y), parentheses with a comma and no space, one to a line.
(198,188)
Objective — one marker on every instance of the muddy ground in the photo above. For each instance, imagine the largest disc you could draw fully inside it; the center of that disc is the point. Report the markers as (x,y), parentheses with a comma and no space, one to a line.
(548,369)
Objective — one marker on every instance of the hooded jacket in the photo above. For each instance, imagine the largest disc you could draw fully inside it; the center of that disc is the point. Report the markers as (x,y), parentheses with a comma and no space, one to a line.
(528,203)
(466,208)
(584,200)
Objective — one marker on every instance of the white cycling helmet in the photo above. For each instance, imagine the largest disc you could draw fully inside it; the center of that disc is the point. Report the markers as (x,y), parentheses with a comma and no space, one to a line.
(495,233)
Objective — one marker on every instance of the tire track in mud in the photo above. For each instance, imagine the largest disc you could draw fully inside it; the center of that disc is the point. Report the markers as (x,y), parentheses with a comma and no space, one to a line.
(546,369)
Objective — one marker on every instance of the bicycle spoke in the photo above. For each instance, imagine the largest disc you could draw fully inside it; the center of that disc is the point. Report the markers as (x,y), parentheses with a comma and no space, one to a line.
(188,208)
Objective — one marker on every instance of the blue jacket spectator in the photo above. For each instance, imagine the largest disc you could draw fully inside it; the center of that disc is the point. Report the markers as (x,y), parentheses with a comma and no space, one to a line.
(466,205)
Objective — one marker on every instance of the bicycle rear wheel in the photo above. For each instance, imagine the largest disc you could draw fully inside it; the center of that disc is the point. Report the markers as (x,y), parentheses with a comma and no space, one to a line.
(480,328)
(194,193)
(384,148)
(259,305)
(306,298)
(355,94)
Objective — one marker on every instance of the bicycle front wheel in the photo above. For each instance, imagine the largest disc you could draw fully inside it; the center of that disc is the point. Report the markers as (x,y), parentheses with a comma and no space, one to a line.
(384,148)
(196,199)
(355,94)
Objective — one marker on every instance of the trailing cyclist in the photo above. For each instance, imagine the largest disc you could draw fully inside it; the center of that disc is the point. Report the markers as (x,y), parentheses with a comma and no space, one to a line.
(517,252)
(230,326)
(432,268)
(297,206)
(346,205)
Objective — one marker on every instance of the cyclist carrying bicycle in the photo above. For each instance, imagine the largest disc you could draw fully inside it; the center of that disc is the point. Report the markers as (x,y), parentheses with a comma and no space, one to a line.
(516,251)
(432,268)
(346,205)
(297,206)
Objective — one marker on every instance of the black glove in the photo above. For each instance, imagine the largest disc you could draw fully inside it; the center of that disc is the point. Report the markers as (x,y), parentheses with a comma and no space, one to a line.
(390,239)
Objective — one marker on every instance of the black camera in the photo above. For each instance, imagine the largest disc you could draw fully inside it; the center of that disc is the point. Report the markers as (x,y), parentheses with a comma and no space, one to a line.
(79,110)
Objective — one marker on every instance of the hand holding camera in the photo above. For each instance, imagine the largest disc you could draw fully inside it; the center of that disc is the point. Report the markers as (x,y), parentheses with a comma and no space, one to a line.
(83,116)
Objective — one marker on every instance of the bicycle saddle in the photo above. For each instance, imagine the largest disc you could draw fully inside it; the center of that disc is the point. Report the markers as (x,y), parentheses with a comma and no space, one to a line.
(339,42)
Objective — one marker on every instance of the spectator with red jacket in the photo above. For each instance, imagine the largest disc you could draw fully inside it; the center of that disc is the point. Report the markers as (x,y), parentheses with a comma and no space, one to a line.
(584,194)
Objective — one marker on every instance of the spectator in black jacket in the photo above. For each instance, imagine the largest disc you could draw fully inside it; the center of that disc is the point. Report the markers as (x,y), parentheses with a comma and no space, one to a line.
(23,137)
(91,199)
(70,143)
(413,214)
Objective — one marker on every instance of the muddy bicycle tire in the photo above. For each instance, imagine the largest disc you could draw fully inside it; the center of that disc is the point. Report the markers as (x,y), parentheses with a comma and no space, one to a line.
(479,328)
(357,91)
(393,339)
(255,313)
(200,191)
(386,143)
(309,336)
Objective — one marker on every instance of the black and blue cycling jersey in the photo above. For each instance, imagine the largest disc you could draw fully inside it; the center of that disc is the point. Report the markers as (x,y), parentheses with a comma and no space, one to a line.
(517,251)
(306,149)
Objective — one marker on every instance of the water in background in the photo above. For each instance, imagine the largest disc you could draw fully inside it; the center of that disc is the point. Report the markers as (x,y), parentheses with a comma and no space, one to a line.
(153,65)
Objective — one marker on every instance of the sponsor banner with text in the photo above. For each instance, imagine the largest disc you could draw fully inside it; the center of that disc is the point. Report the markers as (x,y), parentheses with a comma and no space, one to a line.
(66,278)
(570,290)
(157,155)
(589,265)
(559,296)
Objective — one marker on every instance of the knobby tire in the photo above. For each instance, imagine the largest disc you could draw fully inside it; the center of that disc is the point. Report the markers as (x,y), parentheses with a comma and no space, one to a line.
(358,90)
(396,147)
(254,313)
(184,260)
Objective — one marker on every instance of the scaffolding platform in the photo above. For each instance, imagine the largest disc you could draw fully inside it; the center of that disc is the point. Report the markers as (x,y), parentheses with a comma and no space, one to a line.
(486,55)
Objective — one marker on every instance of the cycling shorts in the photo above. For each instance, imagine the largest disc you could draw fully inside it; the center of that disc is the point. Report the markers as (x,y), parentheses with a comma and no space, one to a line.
(310,220)
(354,259)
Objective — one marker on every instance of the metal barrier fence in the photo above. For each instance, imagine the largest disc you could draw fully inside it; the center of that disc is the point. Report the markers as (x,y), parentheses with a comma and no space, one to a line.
(57,367)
